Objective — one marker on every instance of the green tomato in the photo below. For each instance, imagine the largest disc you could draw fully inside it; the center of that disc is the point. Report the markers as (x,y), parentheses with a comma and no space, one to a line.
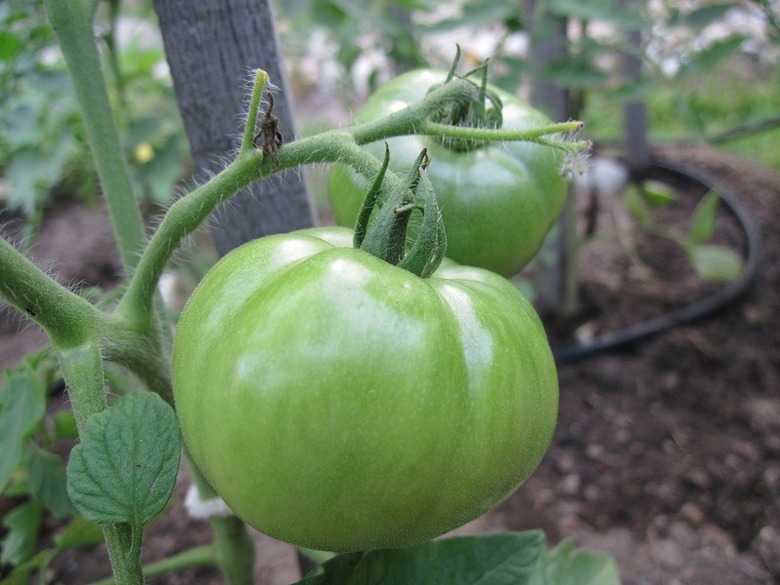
(340,403)
(498,201)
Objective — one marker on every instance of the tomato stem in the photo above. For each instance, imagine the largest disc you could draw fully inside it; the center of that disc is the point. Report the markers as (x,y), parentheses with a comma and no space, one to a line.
(73,23)
(67,318)
(186,214)
(261,78)
(549,135)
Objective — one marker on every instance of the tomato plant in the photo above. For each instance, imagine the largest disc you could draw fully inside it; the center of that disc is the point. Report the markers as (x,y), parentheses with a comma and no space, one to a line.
(342,397)
(498,200)
(342,403)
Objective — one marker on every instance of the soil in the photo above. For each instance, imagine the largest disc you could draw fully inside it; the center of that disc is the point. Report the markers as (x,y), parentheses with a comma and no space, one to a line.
(667,452)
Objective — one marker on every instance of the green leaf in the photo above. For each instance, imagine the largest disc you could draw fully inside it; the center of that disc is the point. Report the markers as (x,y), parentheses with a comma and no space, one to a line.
(637,206)
(714,263)
(10,45)
(22,406)
(417,4)
(566,565)
(658,194)
(494,559)
(701,17)
(703,219)
(23,523)
(705,60)
(125,467)
(476,14)
(32,173)
(46,479)
(603,10)
(65,425)
(637,89)
(79,532)
(21,573)
(573,73)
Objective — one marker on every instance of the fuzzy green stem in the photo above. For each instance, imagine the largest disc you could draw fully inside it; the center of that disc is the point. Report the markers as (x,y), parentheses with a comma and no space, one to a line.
(183,218)
(412,119)
(189,212)
(235,550)
(124,550)
(110,38)
(68,319)
(82,369)
(73,22)
(540,135)
(139,346)
(197,556)
(247,142)
(71,321)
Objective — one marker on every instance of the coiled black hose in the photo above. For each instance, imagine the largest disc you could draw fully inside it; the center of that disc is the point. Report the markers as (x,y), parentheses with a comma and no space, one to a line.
(695,311)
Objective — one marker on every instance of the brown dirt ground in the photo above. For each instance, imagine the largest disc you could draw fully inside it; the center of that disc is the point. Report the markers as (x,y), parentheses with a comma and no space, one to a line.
(667,452)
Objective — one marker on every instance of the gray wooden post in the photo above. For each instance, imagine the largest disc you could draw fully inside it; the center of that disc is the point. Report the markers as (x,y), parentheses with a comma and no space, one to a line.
(556,285)
(635,145)
(212,47)
(549,43)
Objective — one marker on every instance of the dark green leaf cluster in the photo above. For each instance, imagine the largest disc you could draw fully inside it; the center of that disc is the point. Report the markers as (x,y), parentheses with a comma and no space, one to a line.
(497,559)
(32,475)
(386,235)
(43,144)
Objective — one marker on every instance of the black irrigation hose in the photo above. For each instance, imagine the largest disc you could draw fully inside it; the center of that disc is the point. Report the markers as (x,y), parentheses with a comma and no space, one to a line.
(695,311)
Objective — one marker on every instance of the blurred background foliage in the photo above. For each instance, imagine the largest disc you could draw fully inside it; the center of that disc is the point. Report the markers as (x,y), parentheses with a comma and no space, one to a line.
(710,76)
(43,148)
(709,67)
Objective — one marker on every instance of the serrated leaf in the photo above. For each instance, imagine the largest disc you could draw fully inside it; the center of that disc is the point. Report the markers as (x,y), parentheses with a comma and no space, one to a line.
(46,480)
(714,263)
(493,559)
(566,565)
(22,406)
(79,532)
(124,469)
(703,219)
(23,523)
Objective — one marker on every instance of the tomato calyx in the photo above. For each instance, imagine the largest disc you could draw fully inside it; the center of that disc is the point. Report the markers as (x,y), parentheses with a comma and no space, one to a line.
(482,110)
(386,235)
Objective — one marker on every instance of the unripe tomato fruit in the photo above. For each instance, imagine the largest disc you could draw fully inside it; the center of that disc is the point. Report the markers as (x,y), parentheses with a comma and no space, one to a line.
(498,201)
(340,403)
